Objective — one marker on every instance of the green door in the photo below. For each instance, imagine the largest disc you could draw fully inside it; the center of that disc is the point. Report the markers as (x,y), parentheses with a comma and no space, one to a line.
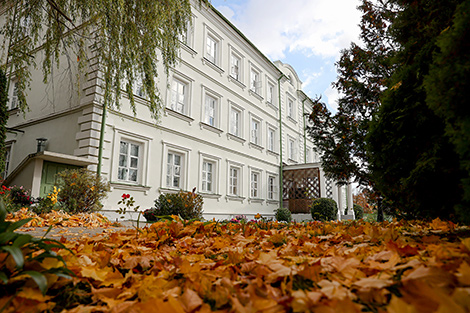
(49,170)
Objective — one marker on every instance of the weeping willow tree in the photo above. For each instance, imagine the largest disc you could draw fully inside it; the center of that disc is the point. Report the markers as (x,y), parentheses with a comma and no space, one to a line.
(125,36)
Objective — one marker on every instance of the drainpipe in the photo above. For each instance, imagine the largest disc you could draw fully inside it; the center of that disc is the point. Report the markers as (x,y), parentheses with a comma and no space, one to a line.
(281,187)
(305,136)
(100,147)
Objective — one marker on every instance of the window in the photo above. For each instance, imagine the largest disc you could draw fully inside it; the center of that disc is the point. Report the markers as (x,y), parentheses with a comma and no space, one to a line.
(173,170)
(210,110)
(129,159)
(270,93)
(272,188)
(235,69)
(13,95)
(186,37)
(291,149)
(234,181)
(307,155)
(208,169)
(255,132)
(290,108)
(212,46)
(255,178)
(179,96)
(235,122)
(7,162)
(255,82)
(139,87)
(271,139)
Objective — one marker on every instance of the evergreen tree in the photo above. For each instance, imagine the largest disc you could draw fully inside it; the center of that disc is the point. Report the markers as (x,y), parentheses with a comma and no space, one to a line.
(447,87)
(363,71)
(412,161)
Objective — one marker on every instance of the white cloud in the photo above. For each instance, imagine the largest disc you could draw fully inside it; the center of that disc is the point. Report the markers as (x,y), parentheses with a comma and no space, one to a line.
(333,96)
(320,27)
(309,78)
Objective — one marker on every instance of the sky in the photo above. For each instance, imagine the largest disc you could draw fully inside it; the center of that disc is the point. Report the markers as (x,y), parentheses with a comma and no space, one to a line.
(307,34)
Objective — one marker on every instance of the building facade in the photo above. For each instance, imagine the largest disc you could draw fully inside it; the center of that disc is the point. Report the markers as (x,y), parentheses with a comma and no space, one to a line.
(233,122)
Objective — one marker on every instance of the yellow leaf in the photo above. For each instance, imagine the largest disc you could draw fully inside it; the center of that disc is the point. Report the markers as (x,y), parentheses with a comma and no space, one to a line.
(190,300)
(397,305)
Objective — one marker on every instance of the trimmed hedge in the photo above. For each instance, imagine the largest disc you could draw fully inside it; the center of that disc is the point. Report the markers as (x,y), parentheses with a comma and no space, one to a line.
(324,209)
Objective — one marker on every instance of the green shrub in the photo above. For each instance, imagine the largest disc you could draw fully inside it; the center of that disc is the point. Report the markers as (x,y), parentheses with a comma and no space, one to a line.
(283,214)
(81,190)
(358,211)
(19,198)
(324,209)
(23,256)
(188,205)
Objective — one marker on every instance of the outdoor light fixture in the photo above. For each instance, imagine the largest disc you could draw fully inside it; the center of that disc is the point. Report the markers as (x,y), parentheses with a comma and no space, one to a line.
(41,144)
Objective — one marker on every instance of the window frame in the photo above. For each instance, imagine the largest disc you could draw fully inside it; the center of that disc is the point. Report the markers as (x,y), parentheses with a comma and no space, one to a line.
(7,158)
(270,128)
(270,93)
(240,110)
(258,138)
(272,195)
(232,165)
(215,161)
(255,185)
(255,85)
(184,153)
(142,170)
(291,148)
(13,95)
(234,55)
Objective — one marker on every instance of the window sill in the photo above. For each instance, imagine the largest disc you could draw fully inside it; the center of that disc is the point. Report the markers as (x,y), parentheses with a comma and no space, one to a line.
(188,49)
(256,146)
(130,186)
(166,190)
(255,200)
(212,65)
(256,95)
(209,195)
(272,201)
(236,82)
(236,138)
(290,118)
(211,128)
(234,198)
(272,153)
(272,106)
(14,111)
(291,160)
(179,115)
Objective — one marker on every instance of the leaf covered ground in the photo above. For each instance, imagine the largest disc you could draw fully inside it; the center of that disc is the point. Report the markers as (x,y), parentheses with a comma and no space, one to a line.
(177,266)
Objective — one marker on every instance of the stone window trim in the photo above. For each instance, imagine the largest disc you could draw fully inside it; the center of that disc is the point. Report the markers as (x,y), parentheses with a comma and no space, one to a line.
(259,139)
(235,107)
(208,92)
(258,182)
(188,81)
(169,147)
(239,166)
(211,34)
(233,52)
(144,156)
(272,195)
(215,160)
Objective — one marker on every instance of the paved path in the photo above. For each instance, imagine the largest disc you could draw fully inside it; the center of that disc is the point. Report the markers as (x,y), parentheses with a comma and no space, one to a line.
(74,233)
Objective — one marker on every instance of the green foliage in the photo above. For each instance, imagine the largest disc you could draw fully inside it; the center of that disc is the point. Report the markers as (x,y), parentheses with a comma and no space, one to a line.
(447,87)
(19,198)
(125,54)
(188,205)
(363,72)
(283,214)
(324,209)
(3,119)
(413,162)
(358,211)
(81,190)
(22,257)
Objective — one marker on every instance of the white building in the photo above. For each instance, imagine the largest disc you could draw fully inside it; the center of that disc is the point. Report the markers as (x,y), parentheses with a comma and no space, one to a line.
(233,122)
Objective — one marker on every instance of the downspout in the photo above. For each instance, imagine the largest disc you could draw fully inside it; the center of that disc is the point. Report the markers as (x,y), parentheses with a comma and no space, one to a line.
(100,147)
(305,136)
(281,187)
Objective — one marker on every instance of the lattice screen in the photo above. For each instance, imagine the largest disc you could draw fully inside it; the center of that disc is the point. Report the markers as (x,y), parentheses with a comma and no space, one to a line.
(329,188)
(300,186)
